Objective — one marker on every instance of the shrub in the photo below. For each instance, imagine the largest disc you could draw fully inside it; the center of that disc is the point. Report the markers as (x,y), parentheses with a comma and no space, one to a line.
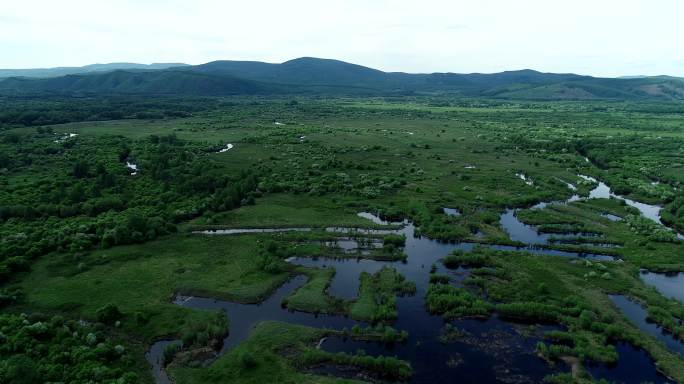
(246,359)
(439,279)
(108,314)
(471,260)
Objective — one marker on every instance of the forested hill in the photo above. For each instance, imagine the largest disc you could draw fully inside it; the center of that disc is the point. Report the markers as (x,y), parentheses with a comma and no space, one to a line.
(324,76)
(92,68)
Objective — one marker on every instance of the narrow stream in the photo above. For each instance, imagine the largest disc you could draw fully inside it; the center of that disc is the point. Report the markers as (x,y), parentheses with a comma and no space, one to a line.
(638,316)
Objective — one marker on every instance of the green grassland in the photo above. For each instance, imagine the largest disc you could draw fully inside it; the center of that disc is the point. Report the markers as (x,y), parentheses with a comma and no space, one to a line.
(80,233)
(284,210)
(143,278)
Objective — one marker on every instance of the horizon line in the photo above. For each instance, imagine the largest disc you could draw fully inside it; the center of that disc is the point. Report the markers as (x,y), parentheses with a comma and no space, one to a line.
(182,63)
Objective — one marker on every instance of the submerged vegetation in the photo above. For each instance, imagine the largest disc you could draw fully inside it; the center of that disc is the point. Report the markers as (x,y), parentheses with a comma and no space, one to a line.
(107,225)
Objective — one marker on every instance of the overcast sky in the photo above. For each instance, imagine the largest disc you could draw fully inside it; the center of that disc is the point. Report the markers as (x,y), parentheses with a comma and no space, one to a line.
(596,37)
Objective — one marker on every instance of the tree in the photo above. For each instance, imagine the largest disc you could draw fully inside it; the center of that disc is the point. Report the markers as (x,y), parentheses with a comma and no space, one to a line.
(108,314)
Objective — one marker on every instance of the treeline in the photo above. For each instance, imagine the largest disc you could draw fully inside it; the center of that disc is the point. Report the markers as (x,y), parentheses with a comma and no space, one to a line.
(453,302)
(27,112)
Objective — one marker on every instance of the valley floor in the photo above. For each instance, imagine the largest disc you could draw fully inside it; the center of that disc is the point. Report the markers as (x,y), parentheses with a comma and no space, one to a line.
(347,240)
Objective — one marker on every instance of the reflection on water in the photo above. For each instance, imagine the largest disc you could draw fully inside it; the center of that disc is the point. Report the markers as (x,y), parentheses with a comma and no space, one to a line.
(638,316)
(479,353)
(602,191)
(489,351)
(668,284)
(633,363)
(519,231)
(155,356)
(490,341)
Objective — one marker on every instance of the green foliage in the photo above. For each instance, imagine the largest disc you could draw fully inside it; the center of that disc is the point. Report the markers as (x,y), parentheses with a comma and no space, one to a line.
(379,332)
(475,259)
(313,296)
(645,227)
(453,302)
(55,350)
(270,257)
(439,279)
(377,295)
(74,220)
(45,111)
(10,296)
(96,203)
(395,240)
(530,311)
(385,367)
(337,78)
(203,334)
(170,351)
(108,314)
(246,359)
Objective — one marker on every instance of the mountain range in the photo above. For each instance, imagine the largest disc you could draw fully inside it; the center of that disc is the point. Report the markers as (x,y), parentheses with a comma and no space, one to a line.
(92,68)
(309,75)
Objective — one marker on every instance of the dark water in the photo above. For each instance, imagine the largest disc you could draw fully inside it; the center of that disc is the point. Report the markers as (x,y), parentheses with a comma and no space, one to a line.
(243,317)
(528,234)
(633,363)
(489,351)
(668,284)
(519,231)
(638,316)
(423,328)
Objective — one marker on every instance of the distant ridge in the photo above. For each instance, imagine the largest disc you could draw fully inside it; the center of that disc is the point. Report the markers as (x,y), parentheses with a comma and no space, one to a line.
(308,75)
(63,71)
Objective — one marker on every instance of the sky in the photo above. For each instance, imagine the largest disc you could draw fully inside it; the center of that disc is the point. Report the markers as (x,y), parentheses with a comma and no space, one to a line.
(594,37)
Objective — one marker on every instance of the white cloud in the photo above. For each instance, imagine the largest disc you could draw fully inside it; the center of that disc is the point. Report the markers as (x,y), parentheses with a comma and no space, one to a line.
(605,37)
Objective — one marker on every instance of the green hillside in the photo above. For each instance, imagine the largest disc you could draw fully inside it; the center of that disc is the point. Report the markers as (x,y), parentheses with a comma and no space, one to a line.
(333,77)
